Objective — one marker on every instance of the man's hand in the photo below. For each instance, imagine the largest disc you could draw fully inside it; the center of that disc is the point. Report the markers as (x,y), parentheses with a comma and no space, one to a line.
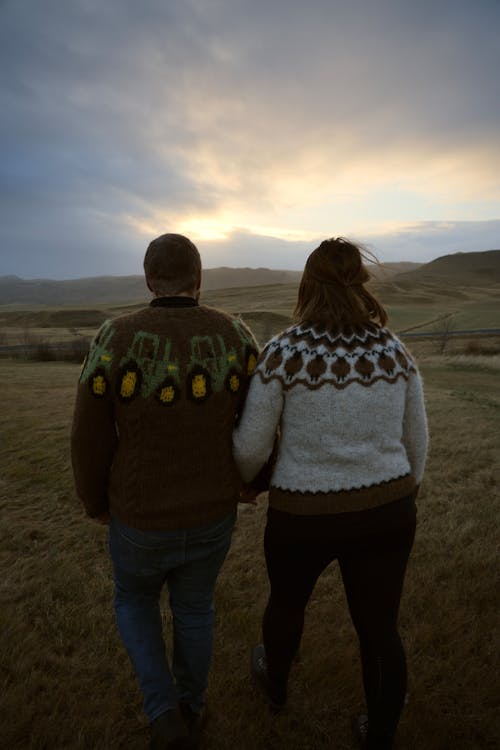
(248,495)
(102,520)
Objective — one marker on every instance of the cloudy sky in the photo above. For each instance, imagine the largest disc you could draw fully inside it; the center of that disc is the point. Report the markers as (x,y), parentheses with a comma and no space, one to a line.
(256,127)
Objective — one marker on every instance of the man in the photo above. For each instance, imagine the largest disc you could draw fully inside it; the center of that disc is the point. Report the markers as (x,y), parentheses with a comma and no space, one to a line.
(156,404)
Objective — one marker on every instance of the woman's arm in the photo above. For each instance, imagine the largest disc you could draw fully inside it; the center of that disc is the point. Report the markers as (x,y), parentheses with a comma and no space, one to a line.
(415,434)
(254,437)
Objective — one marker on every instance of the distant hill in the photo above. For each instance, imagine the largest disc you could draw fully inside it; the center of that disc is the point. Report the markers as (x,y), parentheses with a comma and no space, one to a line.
(448,272)
(116,289)
(101,289)
(389,270)
(464,269)
(459,278)
(129,289)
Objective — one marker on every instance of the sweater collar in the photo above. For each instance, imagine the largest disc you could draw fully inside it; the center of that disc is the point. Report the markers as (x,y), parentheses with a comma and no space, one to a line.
(174,302)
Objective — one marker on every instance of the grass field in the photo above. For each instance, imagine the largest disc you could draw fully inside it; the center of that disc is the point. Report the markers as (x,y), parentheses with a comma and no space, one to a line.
(412,304)
(65,679)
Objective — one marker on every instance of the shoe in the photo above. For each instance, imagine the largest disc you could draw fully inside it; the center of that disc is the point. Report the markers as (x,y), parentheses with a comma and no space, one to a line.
(275,693)
(195,721)
(360,730)
(169,732)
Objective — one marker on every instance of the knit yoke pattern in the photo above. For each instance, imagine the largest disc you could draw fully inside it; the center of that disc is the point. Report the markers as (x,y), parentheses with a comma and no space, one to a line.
(351,416)
(156,404)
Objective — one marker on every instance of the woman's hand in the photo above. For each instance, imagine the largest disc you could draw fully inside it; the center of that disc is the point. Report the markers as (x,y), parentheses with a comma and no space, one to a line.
(248,495)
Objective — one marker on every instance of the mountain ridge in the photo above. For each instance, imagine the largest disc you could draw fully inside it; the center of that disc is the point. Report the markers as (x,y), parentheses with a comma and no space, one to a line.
(465,268)
(125,289)
(481,268)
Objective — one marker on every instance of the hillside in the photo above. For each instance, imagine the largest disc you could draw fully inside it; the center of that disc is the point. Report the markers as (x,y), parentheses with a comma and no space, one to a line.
(454,276)
(466,269)
(116,289)
(464,287)
(126,289)
(449,273)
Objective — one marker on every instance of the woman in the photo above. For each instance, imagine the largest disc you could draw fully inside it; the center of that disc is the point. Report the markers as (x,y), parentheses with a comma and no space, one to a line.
(347,400)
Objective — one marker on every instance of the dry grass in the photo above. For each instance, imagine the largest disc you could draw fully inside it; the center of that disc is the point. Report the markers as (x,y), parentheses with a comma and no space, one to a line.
(412,304)
(65,679)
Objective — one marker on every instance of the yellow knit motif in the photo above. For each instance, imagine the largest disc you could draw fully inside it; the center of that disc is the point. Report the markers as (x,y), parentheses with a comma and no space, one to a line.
(98,385)
(252,361)
(167,394)
(234,383)
(199,386)
(127,387)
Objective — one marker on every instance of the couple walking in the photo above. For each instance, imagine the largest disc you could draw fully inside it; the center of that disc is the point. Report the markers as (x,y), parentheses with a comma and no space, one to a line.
(176,416)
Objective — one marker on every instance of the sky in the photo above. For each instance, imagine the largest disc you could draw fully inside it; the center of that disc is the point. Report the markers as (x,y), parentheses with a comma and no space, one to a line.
(257,128)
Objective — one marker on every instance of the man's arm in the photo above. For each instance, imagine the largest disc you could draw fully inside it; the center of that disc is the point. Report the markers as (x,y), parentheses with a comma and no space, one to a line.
(93,441)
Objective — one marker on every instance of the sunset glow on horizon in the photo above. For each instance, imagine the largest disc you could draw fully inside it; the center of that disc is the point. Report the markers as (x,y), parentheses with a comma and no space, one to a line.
(255,128)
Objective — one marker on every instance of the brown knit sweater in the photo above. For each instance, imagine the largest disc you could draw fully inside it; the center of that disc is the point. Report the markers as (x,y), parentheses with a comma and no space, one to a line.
(156,403)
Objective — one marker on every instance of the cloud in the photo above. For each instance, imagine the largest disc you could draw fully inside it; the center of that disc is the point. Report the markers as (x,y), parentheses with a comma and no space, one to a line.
(227,118)
(113,249)
(420,243)
(425,241)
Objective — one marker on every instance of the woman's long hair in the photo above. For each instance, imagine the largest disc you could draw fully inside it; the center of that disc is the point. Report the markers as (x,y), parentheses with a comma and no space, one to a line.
(332,293)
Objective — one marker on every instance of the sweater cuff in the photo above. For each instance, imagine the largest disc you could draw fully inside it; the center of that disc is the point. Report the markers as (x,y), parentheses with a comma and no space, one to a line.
(96,509)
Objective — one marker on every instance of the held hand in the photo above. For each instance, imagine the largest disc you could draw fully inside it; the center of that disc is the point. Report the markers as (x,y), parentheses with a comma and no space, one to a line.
(248,495)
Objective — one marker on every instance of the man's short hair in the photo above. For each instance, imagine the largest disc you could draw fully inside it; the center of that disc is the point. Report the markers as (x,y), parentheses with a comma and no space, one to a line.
(172,265)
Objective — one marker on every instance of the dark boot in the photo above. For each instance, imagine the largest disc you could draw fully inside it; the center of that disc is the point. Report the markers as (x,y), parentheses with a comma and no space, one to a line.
(360,730)
(365,739)
(169,732)
(274,691)
(195,721)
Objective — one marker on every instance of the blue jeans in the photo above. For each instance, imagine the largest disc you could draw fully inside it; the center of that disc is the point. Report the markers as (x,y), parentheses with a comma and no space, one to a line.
(188,561)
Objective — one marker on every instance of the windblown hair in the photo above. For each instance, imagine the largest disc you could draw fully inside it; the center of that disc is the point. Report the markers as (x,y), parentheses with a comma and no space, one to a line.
(332,293)
(172,264)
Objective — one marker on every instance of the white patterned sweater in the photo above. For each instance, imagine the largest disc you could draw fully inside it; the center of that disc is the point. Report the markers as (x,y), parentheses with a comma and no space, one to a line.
(351,417)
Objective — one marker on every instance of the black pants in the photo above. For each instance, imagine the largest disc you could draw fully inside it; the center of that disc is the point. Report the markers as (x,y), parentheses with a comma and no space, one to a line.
(372,548)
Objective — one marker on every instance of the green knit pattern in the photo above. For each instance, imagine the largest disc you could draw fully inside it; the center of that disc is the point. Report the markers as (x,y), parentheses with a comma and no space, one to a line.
(157,400)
